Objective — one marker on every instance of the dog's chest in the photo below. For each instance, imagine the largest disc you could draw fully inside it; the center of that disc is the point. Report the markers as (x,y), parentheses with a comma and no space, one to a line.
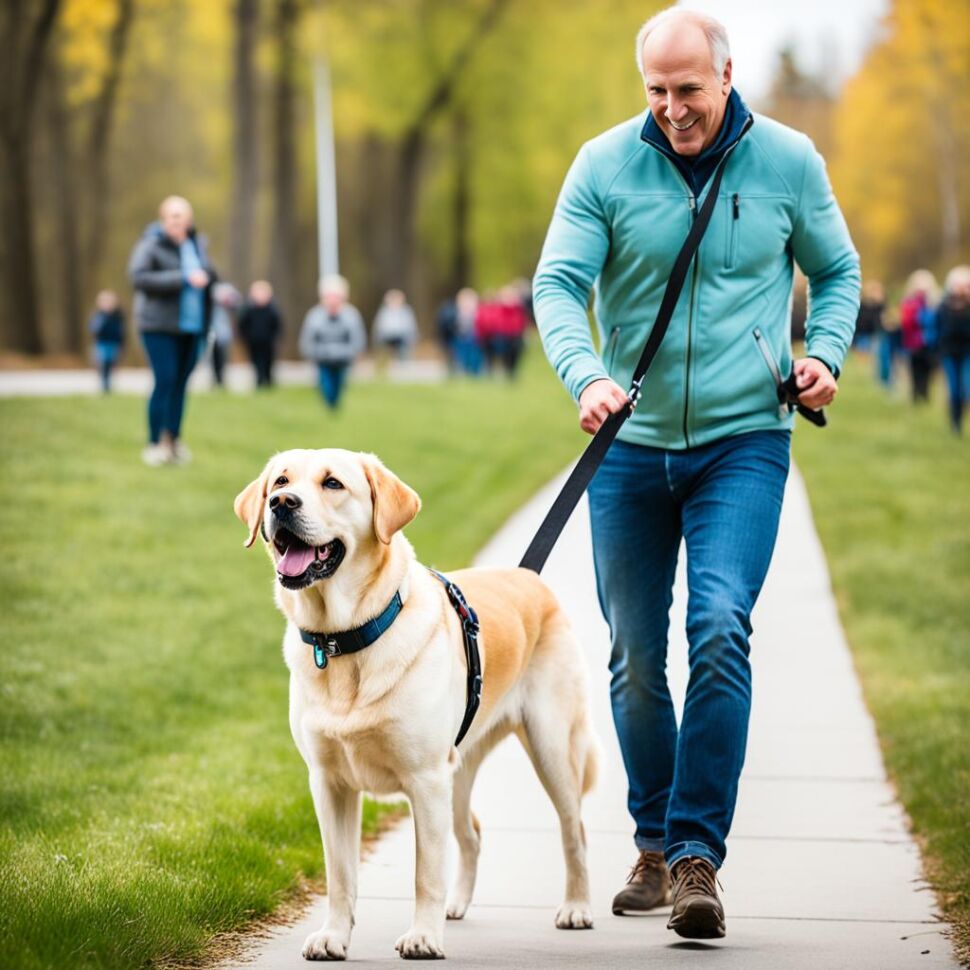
(364,761)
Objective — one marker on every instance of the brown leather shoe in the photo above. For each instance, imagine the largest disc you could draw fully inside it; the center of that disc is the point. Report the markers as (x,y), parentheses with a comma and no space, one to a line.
(647,886)
(697,913)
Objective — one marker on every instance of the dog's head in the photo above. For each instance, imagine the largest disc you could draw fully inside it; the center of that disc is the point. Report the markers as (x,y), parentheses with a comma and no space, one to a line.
(315,509)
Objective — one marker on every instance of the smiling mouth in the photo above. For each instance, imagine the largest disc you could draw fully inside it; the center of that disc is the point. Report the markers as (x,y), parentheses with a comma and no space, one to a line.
(677,127)
(300,564)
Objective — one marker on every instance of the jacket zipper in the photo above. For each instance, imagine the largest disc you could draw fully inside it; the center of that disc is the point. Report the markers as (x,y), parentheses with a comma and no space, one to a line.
(732,253)
(609,352)
(690,323)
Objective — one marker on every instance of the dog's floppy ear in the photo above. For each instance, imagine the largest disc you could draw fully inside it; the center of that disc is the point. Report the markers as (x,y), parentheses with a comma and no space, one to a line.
(395,504)
(249,505)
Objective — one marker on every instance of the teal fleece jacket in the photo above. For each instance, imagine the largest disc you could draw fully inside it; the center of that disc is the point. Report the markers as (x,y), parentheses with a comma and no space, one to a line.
(621,218)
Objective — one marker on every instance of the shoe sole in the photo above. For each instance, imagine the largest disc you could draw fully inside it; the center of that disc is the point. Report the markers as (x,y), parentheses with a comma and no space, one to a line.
(634,910)
(698,923)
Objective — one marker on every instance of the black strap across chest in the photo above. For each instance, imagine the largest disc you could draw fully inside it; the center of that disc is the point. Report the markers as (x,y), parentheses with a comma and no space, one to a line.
(555,521)
(327,645)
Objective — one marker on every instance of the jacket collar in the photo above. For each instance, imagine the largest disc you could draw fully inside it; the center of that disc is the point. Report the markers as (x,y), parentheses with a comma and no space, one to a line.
(696,171)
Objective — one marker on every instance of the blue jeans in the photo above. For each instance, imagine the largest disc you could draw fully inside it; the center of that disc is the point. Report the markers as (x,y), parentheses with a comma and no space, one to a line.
(332,378)
(724,500)
(172,356)
(957,370)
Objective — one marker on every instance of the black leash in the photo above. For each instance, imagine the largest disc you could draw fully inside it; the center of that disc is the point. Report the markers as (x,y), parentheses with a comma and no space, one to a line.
(555,521)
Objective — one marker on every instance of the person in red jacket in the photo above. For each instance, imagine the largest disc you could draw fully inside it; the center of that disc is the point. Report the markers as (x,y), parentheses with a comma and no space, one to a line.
(916,318)
(500,326)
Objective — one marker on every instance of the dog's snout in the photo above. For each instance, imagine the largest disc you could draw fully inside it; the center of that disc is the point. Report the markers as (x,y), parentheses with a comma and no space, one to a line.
(284,502)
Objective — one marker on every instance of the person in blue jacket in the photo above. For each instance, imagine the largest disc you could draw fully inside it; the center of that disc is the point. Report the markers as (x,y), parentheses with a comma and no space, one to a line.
(705,456)
(107,326)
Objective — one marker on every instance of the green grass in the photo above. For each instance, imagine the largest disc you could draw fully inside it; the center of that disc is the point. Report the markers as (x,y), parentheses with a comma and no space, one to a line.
(890,489)
(150,794)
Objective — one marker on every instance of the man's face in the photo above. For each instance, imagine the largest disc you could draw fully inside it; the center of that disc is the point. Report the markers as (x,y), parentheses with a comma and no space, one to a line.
(686,98)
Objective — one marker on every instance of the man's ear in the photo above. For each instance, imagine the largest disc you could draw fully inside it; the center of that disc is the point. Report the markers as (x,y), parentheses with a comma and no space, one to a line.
(726,76)
(249,505)
(395,504)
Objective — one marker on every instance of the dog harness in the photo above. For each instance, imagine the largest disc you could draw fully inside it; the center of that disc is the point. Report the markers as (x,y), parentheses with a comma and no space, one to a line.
(327,645)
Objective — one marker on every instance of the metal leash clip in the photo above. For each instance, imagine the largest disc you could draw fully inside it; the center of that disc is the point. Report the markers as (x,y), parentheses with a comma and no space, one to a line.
(634,395)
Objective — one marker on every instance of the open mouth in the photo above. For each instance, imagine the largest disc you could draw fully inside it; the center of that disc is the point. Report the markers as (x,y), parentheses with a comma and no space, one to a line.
(677,127)
(301,564)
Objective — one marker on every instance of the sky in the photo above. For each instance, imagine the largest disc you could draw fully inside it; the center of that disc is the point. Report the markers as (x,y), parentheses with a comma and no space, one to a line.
(828,35)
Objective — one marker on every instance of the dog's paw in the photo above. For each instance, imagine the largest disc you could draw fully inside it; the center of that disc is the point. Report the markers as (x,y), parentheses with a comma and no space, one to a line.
(415,945)
(574,916)
(457,907)
(325,945)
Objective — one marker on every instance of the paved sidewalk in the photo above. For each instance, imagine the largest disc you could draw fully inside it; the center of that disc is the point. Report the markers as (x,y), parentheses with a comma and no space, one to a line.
(239,377)
(821,871)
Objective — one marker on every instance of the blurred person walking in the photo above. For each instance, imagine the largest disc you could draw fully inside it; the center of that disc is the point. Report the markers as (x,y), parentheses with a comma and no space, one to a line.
(953,331)
(500,327)
(868,324)
(395,326)
(107,326)
(446,322)
(225,304)
(172,276)
(467,348)
(333,336)
(704,457)
(261,329)
(917,321)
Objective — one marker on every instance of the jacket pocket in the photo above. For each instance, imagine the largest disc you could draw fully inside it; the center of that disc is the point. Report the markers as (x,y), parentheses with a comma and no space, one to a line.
(734,229)
(771,366)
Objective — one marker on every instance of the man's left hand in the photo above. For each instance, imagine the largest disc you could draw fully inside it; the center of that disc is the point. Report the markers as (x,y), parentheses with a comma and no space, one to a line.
(816,385)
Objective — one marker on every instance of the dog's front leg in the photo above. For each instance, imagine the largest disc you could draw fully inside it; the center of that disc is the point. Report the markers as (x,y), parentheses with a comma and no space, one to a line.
(430,796)
(338,813)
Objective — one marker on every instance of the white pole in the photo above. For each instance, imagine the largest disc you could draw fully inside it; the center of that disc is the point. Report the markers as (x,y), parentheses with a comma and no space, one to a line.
(326,172)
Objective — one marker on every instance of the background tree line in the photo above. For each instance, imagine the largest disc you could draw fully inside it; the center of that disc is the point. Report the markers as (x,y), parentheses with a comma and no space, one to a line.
(455,123)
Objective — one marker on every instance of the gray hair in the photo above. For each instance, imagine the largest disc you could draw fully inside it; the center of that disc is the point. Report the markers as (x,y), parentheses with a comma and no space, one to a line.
(714,31)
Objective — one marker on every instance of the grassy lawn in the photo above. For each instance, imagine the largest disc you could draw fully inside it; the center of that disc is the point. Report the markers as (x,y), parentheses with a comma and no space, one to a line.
(890,487)
(150,795)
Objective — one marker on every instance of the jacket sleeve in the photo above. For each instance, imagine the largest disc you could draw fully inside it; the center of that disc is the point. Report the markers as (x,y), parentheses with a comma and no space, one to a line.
(358,335)
(822,247)
(157,282)
(576,247)
(306,337)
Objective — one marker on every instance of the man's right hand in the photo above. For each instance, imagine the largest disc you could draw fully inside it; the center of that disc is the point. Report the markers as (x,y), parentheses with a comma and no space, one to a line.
(598,401)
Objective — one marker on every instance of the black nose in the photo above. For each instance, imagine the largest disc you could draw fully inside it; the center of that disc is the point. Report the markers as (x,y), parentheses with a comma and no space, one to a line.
(287,500)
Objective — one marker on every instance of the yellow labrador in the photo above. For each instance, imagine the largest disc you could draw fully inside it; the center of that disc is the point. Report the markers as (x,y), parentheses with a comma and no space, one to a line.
(384,719)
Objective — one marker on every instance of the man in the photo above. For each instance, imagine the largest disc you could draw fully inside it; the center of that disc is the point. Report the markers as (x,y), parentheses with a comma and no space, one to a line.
(705,456)
(261,327)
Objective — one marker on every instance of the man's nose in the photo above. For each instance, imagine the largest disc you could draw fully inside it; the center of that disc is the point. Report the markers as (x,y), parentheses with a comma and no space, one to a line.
(283,502)
(676,110)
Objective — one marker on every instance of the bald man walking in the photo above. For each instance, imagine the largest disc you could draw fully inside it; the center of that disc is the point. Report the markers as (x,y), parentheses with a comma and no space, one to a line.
(705,456)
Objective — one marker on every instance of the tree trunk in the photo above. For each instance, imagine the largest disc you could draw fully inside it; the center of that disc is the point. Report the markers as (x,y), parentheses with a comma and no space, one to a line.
(24,44)
(245,172)
(412,146)
(461,267)
(97,152)
(20,330)
(283,254)
(69,336)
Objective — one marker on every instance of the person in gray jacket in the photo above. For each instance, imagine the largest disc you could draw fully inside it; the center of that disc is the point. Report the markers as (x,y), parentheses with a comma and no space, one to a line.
(332,336)
(172,276)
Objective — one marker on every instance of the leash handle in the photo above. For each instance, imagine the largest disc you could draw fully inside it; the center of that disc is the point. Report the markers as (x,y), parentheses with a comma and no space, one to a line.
(788,393)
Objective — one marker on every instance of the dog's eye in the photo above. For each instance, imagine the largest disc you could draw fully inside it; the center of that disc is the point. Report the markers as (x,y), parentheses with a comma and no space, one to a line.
(281,481)
(331,483)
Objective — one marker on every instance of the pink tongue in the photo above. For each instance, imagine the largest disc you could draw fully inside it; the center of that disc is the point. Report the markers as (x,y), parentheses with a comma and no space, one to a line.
(296,560)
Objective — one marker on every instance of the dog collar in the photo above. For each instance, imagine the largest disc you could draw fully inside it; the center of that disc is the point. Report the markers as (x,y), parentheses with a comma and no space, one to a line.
(326,645)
